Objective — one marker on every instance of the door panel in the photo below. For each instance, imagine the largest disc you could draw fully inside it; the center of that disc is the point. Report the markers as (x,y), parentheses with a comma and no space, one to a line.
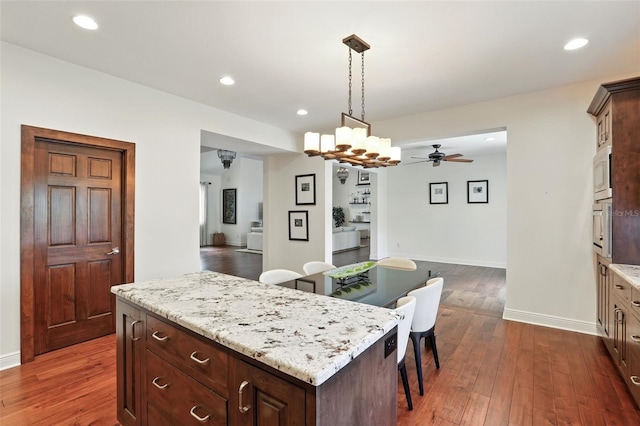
(77,222)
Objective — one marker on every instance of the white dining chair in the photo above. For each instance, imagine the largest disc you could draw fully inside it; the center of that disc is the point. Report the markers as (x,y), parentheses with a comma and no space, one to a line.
(424,321)
(277,276)
(400,263)
(316,266)
(405,306)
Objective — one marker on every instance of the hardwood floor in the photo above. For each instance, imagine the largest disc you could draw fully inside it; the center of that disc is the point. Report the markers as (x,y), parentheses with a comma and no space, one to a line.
(493,372)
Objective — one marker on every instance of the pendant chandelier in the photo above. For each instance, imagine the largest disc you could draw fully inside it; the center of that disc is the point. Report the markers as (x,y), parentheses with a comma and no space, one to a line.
(353,142)
(226,157)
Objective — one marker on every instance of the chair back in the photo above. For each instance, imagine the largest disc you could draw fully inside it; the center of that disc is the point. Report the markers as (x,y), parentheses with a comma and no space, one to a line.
(406,307)
(400,263)
(277,276)
(427,303)
(315,266)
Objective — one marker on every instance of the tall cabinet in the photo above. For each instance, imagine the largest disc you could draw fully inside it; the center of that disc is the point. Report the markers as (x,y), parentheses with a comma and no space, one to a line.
(616,107)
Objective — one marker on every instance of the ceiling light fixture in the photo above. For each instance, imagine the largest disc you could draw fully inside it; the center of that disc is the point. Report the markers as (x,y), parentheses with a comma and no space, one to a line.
(302,112)
(85,22)
(352,142)
(576,43)
(226,157)
(227,81)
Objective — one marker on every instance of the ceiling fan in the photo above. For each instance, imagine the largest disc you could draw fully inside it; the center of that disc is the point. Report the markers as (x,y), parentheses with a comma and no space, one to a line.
(438,156)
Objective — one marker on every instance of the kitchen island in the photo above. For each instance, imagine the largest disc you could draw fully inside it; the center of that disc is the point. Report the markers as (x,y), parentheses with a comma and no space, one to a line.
(209,348)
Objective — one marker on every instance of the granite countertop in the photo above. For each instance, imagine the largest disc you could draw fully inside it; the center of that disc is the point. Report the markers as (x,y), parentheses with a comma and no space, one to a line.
(302,334)
(631,273)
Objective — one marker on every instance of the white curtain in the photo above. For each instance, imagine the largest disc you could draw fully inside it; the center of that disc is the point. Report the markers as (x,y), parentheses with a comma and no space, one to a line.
(204,201)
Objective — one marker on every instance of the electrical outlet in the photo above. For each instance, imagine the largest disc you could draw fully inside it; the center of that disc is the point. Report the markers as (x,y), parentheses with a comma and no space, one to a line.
(390,345)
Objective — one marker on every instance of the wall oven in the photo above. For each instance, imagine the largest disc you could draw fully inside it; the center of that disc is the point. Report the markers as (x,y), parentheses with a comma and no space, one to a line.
(602,173)
(602,213)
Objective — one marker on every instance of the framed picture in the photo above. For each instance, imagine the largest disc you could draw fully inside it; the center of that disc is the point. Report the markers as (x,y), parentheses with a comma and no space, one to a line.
(229,206)
(353,122)
(439,193)
(363,177)
(299,225)
(477,191)
(305,190)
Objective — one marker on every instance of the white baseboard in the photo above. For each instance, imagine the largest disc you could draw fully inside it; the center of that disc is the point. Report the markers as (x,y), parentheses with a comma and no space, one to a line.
(552,321)
(470,262)
(10,360)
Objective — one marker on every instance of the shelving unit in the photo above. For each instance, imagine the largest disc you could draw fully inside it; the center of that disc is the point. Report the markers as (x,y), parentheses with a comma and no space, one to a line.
(357,216)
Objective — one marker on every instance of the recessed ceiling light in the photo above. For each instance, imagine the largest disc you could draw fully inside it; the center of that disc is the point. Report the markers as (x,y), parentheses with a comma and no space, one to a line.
(85,22)
(302,112)
(227,81)
(489,139)
(576,43)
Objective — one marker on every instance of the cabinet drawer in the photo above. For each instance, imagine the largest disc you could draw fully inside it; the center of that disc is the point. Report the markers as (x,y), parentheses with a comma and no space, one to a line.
(621,288)
(199,359)
(633,346)
(172,394)
(635,301)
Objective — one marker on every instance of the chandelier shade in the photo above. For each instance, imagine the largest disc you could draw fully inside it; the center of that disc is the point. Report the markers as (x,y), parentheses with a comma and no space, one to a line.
(352,142)
(226,157)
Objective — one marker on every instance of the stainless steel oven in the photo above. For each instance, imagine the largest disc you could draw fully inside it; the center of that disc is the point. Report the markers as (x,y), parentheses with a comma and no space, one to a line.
(602,213)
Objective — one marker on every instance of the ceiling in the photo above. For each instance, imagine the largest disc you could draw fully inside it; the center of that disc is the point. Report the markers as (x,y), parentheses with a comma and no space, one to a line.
(289,55)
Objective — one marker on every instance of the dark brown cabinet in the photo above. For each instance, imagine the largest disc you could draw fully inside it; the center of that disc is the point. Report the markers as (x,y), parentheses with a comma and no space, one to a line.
(130,346)
(169,375)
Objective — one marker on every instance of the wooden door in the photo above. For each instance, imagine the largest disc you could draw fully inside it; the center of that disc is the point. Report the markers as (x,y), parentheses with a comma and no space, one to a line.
(76,236)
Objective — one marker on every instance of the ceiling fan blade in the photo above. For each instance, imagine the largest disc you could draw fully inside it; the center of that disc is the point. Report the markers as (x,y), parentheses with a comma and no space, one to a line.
(424,160)
(446,157)
(459,160)
(421,158)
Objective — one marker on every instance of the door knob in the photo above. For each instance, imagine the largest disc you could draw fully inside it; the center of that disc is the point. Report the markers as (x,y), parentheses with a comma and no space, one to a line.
(113,251)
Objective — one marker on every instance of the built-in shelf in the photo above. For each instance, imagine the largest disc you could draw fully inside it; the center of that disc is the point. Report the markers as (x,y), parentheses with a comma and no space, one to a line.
(358,203)
(358,221)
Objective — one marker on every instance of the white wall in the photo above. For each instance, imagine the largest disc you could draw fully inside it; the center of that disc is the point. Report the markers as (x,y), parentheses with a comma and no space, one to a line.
(457,232)
(550,278)
(279,174)
(42,91)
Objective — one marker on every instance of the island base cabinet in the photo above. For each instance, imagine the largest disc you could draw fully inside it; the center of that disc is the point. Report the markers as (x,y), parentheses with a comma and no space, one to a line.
(264,399)
(129,353)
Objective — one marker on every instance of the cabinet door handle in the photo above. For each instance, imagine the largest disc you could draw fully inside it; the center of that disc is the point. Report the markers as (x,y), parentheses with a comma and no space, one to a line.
(636,303)
(197,417)
(159,386)
(635,380)
(199,361)
(241,406)
(133,331)
(619,287)
(159,338)
(635,338)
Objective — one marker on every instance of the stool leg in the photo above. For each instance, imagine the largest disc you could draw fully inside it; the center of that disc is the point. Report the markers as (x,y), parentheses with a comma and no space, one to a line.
(415,338)
(405,384)
(434,349)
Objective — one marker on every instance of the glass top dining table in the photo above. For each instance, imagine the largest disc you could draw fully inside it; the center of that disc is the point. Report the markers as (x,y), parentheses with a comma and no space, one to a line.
(378,286)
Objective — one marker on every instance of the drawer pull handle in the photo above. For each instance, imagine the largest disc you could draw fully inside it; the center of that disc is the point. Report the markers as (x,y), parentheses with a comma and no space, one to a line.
(133,331)
(199,361)
(197,417)
(635,338)
(241,406)
(159,386)
(619,287)
(635,380)
(159,338)
(636,303)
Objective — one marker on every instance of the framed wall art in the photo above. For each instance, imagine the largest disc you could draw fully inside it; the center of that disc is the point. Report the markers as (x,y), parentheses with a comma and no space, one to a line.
(229,206)
(299,225)
(477,191)
(305,190)
(364,177)
(439,193)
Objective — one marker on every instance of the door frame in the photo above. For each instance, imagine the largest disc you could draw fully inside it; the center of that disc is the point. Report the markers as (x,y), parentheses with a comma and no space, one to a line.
(27,213)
